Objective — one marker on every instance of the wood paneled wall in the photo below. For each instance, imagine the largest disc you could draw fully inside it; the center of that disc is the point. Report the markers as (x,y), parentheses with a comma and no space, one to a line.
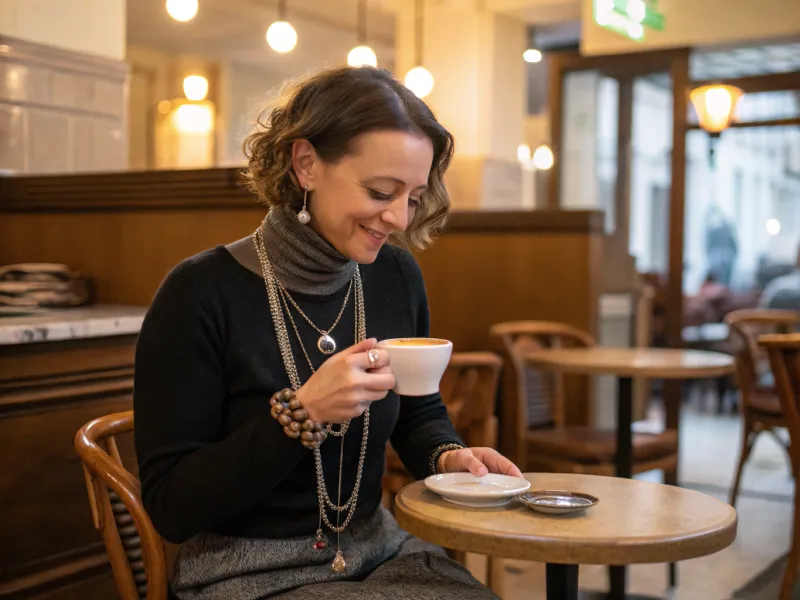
(47,392)
(126,230)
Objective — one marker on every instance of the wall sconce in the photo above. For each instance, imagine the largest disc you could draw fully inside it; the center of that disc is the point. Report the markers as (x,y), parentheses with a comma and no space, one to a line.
(185,134)
(715,106)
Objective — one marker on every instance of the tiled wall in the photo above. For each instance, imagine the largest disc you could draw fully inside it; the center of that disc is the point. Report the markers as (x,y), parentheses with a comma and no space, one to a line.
(60,111)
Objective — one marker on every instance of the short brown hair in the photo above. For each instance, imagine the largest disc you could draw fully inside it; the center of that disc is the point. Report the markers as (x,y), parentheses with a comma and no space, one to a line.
(331,109)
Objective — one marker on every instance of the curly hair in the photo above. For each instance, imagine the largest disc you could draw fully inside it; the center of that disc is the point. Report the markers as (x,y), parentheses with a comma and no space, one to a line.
(331,109)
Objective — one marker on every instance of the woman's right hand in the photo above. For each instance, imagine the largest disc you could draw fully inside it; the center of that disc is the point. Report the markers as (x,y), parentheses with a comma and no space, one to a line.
(344,385)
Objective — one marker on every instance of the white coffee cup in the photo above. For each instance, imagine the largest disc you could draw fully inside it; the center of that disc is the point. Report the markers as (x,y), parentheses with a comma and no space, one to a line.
(417,363)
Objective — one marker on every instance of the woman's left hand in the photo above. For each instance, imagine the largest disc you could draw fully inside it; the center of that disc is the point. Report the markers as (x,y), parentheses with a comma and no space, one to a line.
(478,461)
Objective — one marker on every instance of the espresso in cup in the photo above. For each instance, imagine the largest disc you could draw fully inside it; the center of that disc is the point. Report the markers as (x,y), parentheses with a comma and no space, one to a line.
(415,342)
(417,363)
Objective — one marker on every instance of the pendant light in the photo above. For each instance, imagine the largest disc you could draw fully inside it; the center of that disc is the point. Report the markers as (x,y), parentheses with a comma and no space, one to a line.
(182,10)
(419,80)
(281,36)
(362,55)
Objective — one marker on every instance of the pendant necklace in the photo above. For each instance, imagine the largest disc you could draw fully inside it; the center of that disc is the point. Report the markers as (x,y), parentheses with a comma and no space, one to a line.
(325,344)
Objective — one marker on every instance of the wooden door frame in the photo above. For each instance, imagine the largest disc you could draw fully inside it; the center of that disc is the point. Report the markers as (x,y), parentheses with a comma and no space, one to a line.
(625,68)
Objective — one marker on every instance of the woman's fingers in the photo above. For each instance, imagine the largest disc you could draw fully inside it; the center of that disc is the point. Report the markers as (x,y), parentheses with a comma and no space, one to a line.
(371,359)
(461,461)
(378,382)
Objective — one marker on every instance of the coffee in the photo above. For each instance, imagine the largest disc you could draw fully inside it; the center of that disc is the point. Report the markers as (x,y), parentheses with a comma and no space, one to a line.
(416,342)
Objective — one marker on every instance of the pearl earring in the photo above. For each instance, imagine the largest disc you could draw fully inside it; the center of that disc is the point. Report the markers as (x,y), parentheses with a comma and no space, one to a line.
(304,216)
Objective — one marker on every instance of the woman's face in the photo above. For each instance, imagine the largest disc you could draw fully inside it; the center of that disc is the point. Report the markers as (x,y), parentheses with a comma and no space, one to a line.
(359,201)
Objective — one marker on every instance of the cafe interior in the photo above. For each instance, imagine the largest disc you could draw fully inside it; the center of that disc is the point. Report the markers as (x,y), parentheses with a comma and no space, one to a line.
(618,276)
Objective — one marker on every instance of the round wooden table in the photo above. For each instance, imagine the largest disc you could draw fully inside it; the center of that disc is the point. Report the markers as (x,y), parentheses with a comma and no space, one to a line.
(634,522)
(626,364)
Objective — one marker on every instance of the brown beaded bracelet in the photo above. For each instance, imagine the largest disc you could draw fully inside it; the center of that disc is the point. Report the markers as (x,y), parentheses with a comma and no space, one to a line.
(288,411)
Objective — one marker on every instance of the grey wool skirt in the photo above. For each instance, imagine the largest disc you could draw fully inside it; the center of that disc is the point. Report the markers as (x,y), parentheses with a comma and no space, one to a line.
(383,562)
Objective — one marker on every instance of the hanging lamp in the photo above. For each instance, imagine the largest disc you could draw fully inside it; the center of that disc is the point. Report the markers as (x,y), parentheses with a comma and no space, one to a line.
(281,36)
(362,55)
(419,80)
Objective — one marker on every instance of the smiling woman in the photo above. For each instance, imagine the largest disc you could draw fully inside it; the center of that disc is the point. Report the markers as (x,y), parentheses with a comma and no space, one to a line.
(263,403)
(344,129)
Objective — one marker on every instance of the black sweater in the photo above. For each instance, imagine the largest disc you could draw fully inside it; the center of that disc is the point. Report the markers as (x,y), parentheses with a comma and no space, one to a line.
(211,458)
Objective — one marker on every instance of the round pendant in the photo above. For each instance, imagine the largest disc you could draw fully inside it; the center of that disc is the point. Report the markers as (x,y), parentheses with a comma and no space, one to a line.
(304,216)
(338,565)
(326,344)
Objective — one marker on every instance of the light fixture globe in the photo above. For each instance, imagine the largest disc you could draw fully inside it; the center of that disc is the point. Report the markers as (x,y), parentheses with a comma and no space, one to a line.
(715,105)
(420,81)
(543,158)
(532,55)
(281,37)
(195,87)
(182,10)
(362,56)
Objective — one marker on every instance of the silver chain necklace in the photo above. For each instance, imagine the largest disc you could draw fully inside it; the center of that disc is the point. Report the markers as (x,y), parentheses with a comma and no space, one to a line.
(276,300)
(326,344)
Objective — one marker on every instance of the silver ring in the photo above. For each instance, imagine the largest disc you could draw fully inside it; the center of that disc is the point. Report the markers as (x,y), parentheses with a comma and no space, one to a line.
(373,357)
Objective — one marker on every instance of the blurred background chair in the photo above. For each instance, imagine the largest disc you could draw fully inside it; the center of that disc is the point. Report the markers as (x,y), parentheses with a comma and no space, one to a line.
(783,352)
(535,432)
(760,406)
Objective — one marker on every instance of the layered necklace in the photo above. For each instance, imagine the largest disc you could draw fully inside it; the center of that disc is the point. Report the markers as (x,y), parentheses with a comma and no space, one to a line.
(279,301)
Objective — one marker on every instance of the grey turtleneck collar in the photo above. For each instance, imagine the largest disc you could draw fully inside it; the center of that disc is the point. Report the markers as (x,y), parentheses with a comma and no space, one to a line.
(302,260)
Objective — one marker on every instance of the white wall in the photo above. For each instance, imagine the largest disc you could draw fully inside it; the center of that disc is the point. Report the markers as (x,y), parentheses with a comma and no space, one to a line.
(91,26)
(244,92)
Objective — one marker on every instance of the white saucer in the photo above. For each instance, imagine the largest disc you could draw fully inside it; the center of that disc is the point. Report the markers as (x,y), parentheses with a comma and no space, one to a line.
(477,492)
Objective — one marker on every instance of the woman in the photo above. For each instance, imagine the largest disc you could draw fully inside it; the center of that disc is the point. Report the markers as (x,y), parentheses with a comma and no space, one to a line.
(285,501)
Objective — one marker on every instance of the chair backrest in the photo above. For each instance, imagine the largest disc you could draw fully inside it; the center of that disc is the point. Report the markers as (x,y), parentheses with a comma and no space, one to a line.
(746,326)
(469,391)
(783,351)
(135,550)
(531,397)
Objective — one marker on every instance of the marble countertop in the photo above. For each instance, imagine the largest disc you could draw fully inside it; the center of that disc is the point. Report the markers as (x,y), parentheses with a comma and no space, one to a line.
(26,326)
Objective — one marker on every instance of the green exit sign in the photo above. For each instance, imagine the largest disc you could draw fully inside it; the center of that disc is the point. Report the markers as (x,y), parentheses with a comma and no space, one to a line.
(630,18)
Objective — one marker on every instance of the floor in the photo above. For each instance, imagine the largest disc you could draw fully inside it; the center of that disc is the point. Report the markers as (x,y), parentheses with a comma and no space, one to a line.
(709,451)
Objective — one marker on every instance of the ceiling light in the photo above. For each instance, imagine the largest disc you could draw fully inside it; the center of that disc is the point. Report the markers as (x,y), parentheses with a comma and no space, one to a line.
(543,158)
(532,55)
(420,81)
(195,87)
(182,10)
(715,105)
(362,56)
(282,37)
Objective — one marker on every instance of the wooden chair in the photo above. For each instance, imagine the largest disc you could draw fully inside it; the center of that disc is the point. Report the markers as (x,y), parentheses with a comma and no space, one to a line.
(783,352)
(534,426)
(469,389)
(135,550)
(761,407)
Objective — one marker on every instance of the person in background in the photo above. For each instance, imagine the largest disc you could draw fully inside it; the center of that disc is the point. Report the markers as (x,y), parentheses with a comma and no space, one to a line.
(783,292)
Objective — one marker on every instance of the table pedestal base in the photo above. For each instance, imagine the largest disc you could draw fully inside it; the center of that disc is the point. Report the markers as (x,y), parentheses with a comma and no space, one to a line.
(608,596)
(562,584)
